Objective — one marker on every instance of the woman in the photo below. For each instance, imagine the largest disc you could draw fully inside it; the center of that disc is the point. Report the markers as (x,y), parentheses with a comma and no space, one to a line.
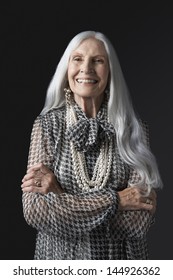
(89,186)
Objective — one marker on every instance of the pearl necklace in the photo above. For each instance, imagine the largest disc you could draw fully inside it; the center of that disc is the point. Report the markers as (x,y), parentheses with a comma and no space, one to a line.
(103,164)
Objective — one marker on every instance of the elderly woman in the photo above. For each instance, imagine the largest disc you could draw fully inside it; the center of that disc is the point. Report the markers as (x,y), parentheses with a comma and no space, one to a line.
(89,186)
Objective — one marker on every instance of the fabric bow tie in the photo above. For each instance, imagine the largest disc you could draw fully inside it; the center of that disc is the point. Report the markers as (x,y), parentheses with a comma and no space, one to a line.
(86,132)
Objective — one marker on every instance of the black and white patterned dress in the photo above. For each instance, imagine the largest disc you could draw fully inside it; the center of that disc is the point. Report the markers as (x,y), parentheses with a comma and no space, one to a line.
(81,224)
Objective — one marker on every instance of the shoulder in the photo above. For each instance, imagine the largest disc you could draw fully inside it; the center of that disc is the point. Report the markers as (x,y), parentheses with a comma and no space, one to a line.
(53,113)
(52,120)
(53,116)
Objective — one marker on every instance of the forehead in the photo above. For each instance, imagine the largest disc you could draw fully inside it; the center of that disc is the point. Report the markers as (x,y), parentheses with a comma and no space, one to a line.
(91,46)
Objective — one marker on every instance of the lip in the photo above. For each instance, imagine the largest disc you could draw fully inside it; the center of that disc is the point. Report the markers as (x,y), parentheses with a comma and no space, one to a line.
(86,81)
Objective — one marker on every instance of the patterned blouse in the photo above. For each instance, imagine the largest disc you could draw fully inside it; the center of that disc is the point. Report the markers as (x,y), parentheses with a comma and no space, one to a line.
(79,224)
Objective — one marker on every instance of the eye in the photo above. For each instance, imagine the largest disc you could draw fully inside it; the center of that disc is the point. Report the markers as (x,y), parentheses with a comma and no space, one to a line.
(98,60)
(77,58)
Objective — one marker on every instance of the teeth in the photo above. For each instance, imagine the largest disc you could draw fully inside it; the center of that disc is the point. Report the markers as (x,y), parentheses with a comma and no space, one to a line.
(86,81)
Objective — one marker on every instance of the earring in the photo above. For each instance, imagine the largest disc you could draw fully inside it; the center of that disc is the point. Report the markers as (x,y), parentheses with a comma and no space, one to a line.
(68,95)
(107,91)
(107,94)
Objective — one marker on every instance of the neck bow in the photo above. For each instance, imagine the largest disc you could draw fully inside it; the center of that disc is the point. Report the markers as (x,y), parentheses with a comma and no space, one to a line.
(87,133)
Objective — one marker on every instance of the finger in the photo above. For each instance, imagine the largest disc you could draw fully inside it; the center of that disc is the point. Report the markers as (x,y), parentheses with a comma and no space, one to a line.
(31,182)
(35,167)
(32,189)
(40,167)
(146,206)
(138,191)
(28,176)
(152,203)
(26,184)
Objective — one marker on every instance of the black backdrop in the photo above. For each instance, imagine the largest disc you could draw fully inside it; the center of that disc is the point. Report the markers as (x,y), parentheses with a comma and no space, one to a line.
(34,36)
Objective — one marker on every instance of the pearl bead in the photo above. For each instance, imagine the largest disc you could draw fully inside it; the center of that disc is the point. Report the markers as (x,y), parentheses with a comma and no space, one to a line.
(103,164)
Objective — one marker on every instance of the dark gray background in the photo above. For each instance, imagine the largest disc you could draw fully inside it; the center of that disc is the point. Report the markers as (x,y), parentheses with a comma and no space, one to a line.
(33,38)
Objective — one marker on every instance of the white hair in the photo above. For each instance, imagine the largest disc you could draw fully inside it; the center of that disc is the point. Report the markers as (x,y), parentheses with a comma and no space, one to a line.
(131,140)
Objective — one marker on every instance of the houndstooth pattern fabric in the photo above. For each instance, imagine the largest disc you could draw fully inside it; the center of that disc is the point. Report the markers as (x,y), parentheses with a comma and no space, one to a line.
(87,133)
(80,224)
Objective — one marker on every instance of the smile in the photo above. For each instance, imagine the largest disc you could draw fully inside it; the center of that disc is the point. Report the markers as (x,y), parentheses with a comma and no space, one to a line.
(86,81)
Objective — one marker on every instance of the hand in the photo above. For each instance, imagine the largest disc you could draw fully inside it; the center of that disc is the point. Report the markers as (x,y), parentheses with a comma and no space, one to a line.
(134,198)
(40,179)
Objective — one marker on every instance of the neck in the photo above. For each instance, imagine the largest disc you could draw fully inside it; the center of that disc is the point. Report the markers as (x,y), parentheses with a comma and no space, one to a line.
(89,105)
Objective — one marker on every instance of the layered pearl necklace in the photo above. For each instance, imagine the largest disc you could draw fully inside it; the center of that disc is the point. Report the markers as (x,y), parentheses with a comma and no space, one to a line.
(103,164)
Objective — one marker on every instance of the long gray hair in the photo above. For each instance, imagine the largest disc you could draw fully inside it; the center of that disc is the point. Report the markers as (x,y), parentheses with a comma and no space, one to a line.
(131,140)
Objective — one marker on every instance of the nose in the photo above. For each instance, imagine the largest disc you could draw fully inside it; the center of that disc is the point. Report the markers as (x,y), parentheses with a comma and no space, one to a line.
(87,67)
(87,71)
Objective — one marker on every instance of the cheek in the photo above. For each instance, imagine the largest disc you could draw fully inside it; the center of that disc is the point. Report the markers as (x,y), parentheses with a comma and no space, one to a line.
(72,70)
(103,72)
(68,74)
(70,79)
(104,76)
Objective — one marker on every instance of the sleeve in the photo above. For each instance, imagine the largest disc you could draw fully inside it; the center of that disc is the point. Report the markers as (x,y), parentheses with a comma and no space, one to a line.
(62,214)
(134,223)
(131,224)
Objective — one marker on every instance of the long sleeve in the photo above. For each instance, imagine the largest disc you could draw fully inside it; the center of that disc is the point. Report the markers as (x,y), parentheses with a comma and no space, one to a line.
(134,223)
(131,224)
(70,214)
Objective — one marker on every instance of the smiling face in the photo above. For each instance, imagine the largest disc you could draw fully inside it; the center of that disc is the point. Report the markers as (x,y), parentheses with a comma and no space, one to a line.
(88,69)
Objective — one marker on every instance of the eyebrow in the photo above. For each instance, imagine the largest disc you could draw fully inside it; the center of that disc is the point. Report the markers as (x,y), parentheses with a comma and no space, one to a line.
(79,54)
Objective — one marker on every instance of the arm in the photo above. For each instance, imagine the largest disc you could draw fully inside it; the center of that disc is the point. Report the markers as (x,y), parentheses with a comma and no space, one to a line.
(131,224)
(135,215)
(57,212)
